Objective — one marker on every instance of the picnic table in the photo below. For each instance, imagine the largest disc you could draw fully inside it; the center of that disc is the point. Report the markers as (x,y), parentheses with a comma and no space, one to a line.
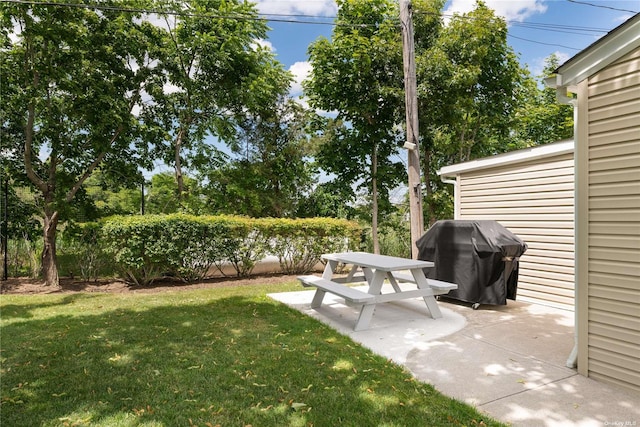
(375,269)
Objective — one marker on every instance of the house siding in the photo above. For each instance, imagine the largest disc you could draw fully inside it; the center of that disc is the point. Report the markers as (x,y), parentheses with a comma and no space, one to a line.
(535,200)
(613,209)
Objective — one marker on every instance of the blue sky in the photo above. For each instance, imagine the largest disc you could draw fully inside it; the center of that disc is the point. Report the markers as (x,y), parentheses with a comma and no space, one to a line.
(537,28)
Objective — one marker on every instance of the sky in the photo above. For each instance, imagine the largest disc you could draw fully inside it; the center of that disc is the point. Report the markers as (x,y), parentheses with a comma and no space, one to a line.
(537,28)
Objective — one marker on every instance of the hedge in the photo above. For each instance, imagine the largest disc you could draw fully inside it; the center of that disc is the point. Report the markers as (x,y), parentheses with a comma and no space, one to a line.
(145,248)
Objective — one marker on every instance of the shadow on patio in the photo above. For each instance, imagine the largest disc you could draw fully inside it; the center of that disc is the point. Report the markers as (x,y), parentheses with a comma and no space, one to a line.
(506,360)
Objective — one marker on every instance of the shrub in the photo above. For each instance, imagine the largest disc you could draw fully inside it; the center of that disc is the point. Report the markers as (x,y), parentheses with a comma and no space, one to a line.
(243,245)
(85,246)
(187,247)
(135,243)
(191,245)
(23,257)
(299,243)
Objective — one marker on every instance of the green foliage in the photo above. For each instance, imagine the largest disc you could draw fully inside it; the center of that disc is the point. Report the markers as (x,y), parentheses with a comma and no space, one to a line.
(270,172)
(71,79)
(132,242)
(395,235)
(541,119)
(243,245)
(21,210)
(144,248)
(358,74)
(22,257)
(299,243)
(329,200)
(112,194)
(213,71)
(72,96)
(163,196)
(83,244)
(22,228)
(191,245)
(469,82)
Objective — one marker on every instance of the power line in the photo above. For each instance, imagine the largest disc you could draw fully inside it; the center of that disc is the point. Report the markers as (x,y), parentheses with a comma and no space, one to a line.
(567,29)
(534,26)
(323,20)
(543,43)
(275,17)
(602,6)
(573,29)
(178,13)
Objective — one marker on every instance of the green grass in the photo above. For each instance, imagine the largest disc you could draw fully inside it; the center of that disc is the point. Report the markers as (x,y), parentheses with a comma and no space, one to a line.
(226,356)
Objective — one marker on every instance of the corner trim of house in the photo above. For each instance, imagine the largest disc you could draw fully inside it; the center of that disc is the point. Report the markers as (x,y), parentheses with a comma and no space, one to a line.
(582,229)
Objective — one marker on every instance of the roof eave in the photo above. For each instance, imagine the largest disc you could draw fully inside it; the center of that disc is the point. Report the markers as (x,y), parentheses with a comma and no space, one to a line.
(525,155)
(617,43)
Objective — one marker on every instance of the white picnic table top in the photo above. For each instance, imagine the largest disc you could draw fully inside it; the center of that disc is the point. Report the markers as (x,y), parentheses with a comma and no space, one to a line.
(378,262)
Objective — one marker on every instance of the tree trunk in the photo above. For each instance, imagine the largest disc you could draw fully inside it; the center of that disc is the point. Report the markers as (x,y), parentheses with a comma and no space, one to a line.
(179,179)
(374,201)
(49,258)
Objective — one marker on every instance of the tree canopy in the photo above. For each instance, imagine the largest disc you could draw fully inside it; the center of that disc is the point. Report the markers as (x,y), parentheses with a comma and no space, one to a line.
(100,87)
(92,95)
(213,72)
(469,83)
(358,75)
(71,79)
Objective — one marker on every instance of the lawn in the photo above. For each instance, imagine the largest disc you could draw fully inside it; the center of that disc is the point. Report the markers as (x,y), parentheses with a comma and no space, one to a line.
(227,356)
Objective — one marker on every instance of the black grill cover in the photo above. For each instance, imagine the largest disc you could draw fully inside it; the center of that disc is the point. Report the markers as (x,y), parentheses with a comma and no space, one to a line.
(481,257)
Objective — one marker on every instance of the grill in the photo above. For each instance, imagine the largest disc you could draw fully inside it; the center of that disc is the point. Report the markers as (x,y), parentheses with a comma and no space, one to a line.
(481,257)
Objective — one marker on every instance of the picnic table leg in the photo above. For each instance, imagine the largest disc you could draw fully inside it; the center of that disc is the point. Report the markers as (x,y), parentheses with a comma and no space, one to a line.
(329,269)
(393,282)
(326,274)
(375,286)
(429,300)
(366,313)
(352,272)
(317,298)
(368,274)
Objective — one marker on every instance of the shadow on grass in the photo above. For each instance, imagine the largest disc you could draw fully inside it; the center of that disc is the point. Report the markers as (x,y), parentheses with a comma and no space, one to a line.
(232,361)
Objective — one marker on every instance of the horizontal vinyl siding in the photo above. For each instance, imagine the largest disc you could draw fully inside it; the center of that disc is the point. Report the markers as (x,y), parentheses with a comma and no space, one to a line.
(614,223)
(535,200)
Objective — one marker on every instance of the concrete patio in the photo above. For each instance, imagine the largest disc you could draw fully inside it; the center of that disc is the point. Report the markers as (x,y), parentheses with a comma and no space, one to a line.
(508,361)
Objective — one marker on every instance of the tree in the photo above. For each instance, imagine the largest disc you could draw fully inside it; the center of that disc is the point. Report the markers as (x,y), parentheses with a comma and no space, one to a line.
(71,79)
(162,196)
(327,199)
(269,174)
(468,85)
(358,74)
(214,70)
(541,119)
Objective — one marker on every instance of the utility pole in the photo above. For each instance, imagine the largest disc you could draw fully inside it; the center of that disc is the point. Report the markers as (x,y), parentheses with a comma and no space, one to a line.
(412,146)
(5,230)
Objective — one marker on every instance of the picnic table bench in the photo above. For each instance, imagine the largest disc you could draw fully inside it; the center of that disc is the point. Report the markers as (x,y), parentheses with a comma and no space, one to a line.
(439,287)
(351,295)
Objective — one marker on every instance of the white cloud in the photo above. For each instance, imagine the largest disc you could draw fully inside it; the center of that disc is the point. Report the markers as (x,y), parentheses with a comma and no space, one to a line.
(264,43)
(516,10)
(563,56)
(300,71)
(295,7)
